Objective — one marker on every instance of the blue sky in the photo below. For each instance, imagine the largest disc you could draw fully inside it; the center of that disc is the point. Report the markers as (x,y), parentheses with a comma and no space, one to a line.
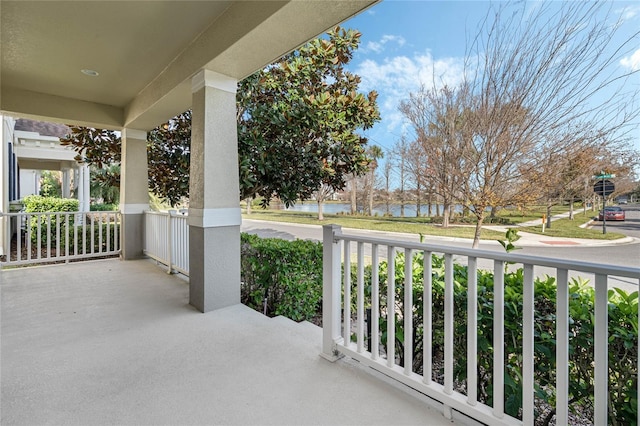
(403,42)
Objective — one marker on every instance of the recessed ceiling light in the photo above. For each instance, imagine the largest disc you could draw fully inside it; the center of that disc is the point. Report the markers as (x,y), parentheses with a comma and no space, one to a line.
(90,73)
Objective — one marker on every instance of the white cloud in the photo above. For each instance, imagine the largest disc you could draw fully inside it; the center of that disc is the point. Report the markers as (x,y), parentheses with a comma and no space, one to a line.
(394,78)
(629,12)
(379,46)
(632,62)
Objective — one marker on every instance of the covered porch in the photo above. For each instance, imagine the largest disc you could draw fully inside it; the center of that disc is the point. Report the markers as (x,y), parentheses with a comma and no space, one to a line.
(111,342)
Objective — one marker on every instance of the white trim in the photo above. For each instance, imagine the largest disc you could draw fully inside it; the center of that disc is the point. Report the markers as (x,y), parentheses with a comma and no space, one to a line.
(213,79)
(133,208)
(210,218)
(134,134)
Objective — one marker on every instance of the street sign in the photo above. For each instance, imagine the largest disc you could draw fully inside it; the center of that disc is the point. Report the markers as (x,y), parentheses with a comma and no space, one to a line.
(604,188)
(604,176)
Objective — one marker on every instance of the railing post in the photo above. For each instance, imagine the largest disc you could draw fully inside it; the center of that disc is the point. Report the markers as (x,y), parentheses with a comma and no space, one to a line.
(6,234)
(172,213)
(330,292)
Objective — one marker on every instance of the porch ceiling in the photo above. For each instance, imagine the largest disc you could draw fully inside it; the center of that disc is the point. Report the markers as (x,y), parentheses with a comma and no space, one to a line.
(145,52)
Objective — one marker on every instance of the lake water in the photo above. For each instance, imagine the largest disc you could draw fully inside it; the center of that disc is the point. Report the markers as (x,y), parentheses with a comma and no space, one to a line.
(378,209)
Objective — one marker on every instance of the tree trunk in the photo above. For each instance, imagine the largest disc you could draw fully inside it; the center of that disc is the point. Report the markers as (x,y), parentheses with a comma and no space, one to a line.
(476,235)
(429,204)
(493,212)
(445,214)
(549,217)
(248,206)
(353,196)
(418,200)
(320,214)
(371,195)
(571,208)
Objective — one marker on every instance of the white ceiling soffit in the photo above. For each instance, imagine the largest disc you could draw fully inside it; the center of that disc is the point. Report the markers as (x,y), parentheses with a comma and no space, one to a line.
(145,52)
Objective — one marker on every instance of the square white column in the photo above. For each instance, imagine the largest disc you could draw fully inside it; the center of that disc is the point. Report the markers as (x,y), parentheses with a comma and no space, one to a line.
(134,192)
(5,243)
(66,183)
(214,194)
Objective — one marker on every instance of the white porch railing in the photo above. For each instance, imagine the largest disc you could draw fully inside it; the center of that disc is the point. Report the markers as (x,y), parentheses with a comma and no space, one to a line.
(166,239)
(344,329)
(59,236)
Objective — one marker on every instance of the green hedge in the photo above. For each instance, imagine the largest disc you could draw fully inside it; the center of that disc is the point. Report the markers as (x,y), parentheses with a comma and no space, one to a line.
(282,277)
(288,274)
(39,204)
(103,207)
(623,336)
(96,238)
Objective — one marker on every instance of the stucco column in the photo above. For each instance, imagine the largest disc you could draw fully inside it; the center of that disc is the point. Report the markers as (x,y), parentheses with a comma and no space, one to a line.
(214,194)
(134,192)
(66,183)
(79,186)
(86,189)
(36,182)
(4,186)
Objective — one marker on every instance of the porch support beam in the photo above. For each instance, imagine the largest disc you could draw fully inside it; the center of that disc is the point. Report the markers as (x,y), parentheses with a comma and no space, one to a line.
(134,192)
(214,194)
(66,183)
(4,185)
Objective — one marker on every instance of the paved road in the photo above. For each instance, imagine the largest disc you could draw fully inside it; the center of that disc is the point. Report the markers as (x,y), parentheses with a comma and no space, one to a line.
(616,254)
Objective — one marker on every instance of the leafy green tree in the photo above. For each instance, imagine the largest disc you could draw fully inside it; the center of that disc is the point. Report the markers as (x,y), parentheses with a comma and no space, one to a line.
(105,183)
(50,184)
(298,121)
(168,153)
(298,124)
(96,147)
(101,149)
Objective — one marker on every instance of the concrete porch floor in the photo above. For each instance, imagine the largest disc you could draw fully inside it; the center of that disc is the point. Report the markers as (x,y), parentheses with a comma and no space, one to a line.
(112,342)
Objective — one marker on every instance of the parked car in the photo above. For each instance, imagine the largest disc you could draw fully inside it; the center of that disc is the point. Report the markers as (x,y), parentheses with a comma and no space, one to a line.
(612,213)
(622,200)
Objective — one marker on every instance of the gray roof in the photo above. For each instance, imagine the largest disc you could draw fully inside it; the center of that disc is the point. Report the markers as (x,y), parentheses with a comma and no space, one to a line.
(41,127)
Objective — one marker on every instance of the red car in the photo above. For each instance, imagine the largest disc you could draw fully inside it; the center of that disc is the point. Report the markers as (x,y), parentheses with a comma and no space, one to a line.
(612,213)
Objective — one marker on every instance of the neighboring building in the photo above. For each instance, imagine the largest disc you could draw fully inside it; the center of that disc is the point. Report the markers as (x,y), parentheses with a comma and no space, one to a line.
(28,148)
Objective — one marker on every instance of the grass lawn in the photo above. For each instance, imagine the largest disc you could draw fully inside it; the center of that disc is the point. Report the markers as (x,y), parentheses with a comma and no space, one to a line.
(571,229)
(419,225)
(407,225)
(536,212)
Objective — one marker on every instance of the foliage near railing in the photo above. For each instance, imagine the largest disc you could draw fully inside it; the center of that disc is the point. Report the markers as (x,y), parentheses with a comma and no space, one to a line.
(105,207)
(282,277)
(37,203)
(47,223)
(623,336)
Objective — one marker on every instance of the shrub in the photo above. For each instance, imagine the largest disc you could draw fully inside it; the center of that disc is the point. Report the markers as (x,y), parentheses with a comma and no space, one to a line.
(107,235)
(623,335)
(103,207)
(39,204)
(281,277)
